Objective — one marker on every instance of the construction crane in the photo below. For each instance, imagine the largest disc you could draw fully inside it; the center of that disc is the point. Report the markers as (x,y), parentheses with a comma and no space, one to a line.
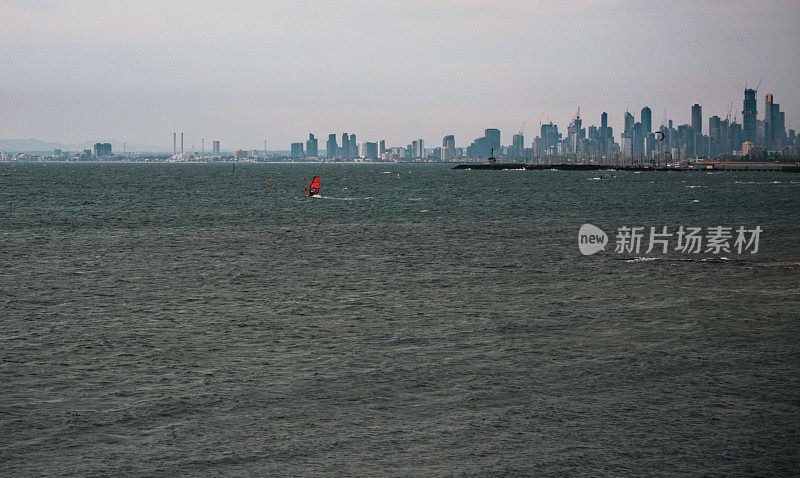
(522,127)
(757,86)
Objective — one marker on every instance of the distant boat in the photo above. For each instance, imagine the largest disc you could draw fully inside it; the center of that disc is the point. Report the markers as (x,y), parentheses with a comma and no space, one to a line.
(314,188)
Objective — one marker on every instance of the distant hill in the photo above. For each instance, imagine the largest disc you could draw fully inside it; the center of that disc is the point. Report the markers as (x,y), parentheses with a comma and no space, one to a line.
(38,146)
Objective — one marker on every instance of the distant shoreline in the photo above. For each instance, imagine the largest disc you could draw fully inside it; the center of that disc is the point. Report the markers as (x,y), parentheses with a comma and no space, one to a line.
(701,166)
(45,161)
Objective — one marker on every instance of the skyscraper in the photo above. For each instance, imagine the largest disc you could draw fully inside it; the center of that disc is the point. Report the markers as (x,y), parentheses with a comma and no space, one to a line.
(715,135)
(574,133)
(604,136)
(345,153)
(215,148)
(368,150)
(749,116)
(312,148)
(697,119)
(550,137)
(518,145)
(629,122)
(297,151)
(647,120)
(479,148)
(493,140)
(101,150)
(331,148)
(638,140)
(697,131)
(774,128)
(448,148)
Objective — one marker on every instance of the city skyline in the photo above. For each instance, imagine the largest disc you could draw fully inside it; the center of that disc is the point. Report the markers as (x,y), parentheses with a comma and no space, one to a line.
(397,71)
(749,113)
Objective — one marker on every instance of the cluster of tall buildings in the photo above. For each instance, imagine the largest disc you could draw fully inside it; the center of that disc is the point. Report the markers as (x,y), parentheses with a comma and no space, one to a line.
(639,141)
(101,150)
(485,146)
(350,149)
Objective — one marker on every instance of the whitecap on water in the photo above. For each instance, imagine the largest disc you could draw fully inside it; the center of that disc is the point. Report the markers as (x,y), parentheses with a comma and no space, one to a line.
(642,259)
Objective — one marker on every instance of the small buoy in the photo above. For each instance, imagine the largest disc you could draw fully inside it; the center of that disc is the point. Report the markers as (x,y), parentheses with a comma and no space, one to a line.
(270,183)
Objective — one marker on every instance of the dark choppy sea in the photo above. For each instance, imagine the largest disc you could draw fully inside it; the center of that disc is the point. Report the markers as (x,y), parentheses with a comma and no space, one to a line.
(415,320)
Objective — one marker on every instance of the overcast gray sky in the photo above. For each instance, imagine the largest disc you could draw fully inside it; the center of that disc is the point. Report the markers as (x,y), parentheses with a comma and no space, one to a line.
(245,71)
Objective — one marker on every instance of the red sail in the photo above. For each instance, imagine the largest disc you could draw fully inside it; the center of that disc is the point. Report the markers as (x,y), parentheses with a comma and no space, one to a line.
(314,188)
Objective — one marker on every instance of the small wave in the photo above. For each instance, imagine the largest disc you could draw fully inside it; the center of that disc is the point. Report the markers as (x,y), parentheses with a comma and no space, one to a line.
(335,199)
(423,210)
(695,187)
(642,259)
(761,182)
(695,200)
(712,259)
(593,179)
(776,264)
